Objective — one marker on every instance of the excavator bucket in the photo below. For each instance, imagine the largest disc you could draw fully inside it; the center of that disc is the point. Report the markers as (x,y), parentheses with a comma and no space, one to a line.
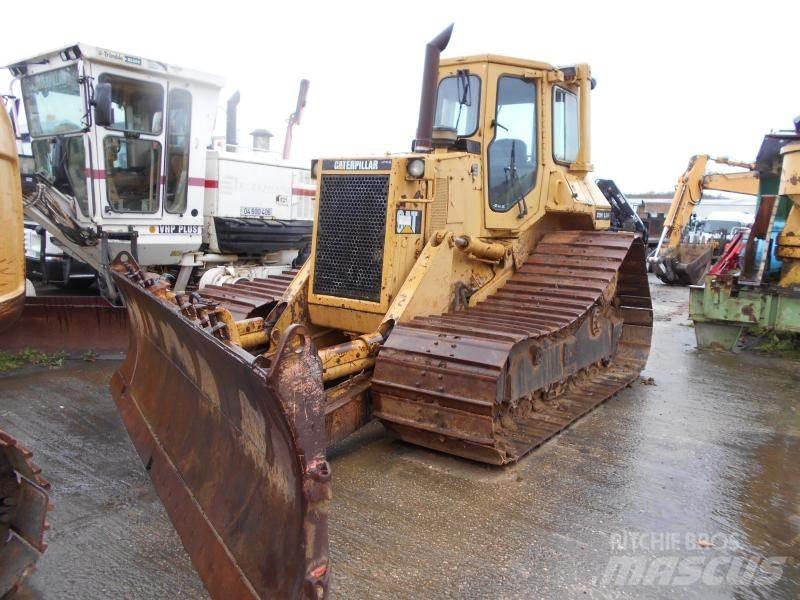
(687,266)
(235,448)
(24,503)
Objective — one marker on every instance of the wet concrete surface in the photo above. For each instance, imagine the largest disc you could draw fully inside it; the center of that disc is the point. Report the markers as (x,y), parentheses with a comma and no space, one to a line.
(692,481)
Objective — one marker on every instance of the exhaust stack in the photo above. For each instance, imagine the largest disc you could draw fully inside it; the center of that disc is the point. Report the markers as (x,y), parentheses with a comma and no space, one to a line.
(230,122)
(427,103)
(294,118)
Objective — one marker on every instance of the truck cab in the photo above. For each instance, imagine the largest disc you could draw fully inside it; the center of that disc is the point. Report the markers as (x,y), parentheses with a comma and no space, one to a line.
(143,166)
(120,156)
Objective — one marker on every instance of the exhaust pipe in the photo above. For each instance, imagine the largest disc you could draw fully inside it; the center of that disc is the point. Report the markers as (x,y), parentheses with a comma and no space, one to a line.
(230,122)
(294,118)
(427,102)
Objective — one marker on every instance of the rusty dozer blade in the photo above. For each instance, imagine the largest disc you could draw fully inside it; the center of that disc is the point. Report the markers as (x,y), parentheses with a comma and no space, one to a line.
(235,450)
(687,266)
(24,503)
(72,324)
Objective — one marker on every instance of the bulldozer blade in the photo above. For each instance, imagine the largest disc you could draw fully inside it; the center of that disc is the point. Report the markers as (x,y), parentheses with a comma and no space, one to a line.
(24,503)
(72,324)
(235,450)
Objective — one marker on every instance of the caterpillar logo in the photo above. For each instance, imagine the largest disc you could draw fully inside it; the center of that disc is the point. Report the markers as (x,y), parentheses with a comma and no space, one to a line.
(409,221)
(355,164)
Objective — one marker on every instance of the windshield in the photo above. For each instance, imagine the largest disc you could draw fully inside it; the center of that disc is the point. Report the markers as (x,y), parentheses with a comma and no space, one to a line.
(53,103)
(458,103)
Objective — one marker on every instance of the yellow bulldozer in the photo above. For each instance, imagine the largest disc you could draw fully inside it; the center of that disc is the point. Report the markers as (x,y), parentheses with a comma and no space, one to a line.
(469,294)
(24,500)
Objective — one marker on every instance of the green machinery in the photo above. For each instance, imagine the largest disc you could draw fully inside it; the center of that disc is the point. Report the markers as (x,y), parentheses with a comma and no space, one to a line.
(760,286)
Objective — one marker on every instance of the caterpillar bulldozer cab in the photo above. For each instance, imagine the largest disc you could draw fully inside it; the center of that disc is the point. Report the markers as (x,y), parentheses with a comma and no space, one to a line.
(468,294)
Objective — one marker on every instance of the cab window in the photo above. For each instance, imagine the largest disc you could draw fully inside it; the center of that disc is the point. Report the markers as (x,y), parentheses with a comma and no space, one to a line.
(512,152)
(565,125)
(62,161)
(458,103)
(137,105)
(179,118)
(53,104)
(133,174)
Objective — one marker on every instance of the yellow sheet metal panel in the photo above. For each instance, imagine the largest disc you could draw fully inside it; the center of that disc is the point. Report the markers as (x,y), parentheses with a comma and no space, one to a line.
(789,240)
(12,250)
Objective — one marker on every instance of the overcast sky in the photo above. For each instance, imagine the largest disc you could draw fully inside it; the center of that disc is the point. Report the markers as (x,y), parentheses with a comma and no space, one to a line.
(674,78)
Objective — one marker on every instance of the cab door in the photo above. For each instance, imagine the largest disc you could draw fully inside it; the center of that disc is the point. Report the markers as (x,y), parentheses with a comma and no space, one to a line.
(513,153)
(130,150)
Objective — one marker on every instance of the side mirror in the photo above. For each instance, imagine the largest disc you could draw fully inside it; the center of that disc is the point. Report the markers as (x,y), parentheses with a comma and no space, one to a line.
(103,111)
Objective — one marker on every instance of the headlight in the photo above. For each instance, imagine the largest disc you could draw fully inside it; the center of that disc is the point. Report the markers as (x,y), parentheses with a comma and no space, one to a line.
(416,167)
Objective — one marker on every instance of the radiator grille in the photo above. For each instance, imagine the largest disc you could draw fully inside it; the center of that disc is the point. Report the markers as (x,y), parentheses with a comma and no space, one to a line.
(350,236)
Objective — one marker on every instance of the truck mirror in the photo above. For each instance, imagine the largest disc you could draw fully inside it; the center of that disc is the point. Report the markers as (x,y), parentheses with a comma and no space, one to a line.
(103,111)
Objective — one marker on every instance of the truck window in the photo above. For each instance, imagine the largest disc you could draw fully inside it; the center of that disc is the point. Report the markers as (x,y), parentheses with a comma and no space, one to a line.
(53,103)
(565,125)
(179,119)
(138,105)
(133,174)
(512,152)
(62,161)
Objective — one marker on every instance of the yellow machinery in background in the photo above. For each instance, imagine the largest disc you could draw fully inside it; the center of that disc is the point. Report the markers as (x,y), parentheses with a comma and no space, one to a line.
(12,250)
(23,497)
(675,260)
(789,239)
(469,294)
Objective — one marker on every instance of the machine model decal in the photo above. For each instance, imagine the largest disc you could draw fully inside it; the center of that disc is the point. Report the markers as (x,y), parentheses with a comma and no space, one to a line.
(186,229)
(126,58)
(409,221)
(357,165)
(603,215)
(255,211)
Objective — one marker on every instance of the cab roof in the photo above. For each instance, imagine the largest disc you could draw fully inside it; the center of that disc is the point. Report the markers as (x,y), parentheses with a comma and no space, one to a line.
(95,54)
(498,59)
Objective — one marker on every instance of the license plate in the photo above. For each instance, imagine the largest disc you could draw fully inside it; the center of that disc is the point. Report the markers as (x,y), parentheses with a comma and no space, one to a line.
(180,229)
(255,211)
